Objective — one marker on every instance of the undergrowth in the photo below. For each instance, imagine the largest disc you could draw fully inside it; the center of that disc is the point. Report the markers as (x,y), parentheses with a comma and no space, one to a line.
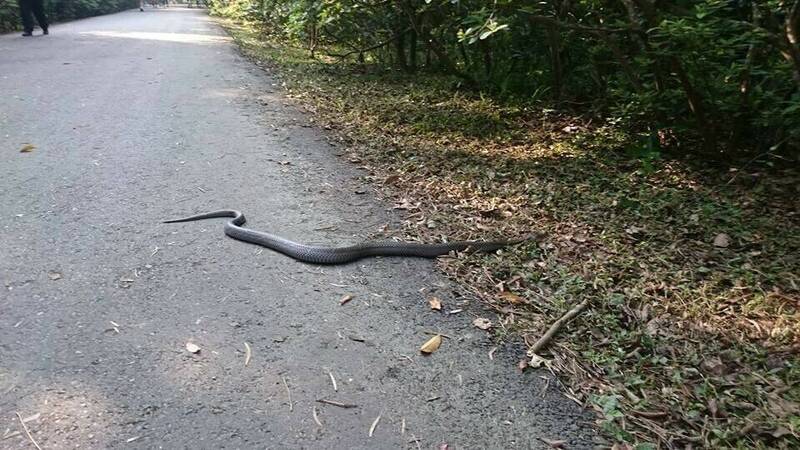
(692,333)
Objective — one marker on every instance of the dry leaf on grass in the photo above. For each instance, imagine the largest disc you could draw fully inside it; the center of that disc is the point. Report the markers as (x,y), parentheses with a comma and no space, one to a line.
(536,361)
(432,345)
(482,323)
(27,148)
(192,348)
(435,303)
(512,298)
(722,240)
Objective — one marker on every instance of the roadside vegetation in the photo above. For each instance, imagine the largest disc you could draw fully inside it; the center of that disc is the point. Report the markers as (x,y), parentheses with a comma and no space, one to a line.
(651,152)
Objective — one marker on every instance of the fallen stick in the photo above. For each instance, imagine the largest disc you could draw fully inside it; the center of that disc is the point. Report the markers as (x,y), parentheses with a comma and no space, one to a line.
(289,393)
(316,417)
(340,405)
(569,315)
(25,427)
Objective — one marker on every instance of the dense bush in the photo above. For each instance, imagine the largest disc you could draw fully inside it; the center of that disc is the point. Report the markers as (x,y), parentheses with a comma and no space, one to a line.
(61,10)
(724,71)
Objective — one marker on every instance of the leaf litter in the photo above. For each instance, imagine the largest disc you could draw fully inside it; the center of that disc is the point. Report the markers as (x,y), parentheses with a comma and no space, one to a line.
(642,243)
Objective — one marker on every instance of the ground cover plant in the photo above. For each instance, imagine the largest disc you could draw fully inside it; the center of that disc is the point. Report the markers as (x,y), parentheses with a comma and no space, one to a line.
(681,241)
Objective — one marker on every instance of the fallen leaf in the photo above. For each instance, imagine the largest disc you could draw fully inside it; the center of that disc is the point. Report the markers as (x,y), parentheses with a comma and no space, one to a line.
(722,240)
(345,299)
(512,298)
(54,276)
(536,361)
(192,348)
(435,303)
(27,148)
(482,323)
(714,366)
(780,432)
(432,345)
(633,229)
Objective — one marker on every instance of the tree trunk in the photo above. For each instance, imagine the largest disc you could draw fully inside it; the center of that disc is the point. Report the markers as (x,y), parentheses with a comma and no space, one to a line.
(554,41)
(400,52)
(792,36)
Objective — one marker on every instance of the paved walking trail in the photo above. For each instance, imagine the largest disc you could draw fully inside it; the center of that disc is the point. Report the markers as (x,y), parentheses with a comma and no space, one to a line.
(138,117)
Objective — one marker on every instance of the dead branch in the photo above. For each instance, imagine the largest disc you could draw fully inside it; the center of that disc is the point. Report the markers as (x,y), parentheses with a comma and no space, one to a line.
(569,315)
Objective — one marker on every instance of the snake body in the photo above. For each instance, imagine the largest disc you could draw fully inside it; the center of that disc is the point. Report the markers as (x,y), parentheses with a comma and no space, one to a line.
(339,255)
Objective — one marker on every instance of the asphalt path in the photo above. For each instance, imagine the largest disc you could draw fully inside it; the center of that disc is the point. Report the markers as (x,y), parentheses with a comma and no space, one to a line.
(133,118)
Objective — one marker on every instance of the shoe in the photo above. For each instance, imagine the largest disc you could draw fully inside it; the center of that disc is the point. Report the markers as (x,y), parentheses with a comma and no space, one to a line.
(45,31)
(27,33)
(141,9)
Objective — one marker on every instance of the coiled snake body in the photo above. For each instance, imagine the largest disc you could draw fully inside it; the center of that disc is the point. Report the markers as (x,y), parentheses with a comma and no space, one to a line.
(340,255)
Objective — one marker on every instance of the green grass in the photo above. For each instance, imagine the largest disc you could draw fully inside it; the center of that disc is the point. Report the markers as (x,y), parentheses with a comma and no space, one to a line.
(684,342)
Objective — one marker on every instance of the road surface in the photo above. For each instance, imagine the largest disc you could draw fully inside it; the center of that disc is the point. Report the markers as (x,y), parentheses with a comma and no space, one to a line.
(133,118)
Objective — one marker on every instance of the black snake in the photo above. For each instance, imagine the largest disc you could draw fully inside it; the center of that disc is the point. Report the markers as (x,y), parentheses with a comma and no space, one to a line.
(340,255)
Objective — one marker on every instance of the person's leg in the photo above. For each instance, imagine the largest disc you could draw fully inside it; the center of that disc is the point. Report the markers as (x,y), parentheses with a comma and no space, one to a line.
(25,14)
(38,10)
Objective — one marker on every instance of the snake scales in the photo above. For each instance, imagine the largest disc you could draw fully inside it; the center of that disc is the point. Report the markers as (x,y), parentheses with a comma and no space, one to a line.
(340,255)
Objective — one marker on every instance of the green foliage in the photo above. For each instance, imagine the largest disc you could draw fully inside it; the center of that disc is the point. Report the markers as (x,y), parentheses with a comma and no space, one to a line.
(62,10)
(717,71)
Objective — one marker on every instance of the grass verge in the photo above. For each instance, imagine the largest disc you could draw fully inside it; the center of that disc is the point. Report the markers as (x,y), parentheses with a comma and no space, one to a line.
(692,333)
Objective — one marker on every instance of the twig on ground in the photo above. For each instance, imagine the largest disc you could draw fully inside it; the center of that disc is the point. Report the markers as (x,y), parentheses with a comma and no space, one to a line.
(333,381)
(247,354)
(27,431)
(340,405)
(288,392)
(316,417)
(375,424)
(556,326)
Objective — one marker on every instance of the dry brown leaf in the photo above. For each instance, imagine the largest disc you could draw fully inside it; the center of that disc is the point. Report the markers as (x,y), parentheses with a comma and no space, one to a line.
(536,361)
(722,240)
(435,303)
(192,347)
(512,298)
(482,323)
(432,345)
(27,148)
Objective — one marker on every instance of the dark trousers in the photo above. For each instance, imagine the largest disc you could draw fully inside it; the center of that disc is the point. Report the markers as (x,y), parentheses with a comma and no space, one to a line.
(30,8)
